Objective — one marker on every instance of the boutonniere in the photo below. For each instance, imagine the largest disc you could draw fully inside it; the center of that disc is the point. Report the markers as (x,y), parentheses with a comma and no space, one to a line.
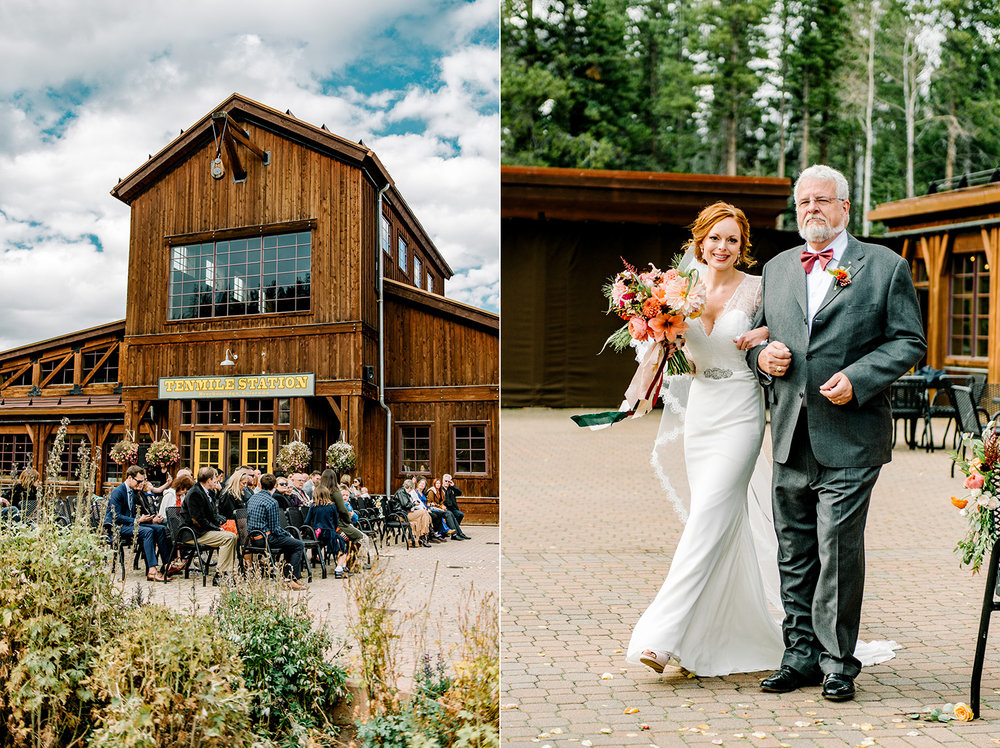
(841,275)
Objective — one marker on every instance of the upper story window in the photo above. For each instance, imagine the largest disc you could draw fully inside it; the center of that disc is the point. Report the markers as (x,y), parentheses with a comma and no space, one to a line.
(63,376)
(386,236)
(259,275)
(418,268)
(108,371)
(429,282)
(401,253)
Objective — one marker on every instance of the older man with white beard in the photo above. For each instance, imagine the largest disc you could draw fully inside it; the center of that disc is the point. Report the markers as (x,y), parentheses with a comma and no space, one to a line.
(844,324)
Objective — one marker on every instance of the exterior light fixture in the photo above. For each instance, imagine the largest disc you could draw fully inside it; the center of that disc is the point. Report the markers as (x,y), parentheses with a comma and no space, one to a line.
(227,361)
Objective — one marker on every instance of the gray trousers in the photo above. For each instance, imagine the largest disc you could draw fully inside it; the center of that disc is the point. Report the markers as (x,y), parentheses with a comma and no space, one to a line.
(819,516)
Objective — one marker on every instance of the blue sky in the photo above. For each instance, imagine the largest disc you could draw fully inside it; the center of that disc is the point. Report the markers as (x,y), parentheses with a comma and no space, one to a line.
(90,89)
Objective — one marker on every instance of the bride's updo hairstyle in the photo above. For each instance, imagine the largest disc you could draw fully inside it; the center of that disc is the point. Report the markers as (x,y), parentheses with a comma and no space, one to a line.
(708,218)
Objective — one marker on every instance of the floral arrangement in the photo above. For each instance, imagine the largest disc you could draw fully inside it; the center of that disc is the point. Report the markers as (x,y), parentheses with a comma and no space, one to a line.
(655,304)
(841,275)
(340,457)
(162,453)
(124,451)
(980,505)
(293,457)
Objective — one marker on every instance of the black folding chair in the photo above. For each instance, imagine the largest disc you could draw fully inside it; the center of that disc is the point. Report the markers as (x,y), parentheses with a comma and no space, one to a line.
(246,545)
(307,534)
(187,545)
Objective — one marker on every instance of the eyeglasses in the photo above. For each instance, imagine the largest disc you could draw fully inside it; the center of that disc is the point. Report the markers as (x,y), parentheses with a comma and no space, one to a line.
(821,202)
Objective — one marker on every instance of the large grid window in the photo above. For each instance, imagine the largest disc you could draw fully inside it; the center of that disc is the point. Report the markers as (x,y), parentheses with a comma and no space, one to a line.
(470,453)
(259,411)
(414,449)
(108,373)
(15,453)
(259,275)
(970,305)
(22,380)
(63,376)
(209,412)
(69,468)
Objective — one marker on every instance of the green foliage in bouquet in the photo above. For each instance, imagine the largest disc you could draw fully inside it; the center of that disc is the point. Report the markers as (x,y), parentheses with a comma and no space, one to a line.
(982,502)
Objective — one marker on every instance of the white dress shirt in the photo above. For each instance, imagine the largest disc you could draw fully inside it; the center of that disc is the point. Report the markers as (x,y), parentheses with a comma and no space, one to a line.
(818,281)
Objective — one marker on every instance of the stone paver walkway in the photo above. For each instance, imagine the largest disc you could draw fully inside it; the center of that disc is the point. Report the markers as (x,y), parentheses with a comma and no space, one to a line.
(587,539)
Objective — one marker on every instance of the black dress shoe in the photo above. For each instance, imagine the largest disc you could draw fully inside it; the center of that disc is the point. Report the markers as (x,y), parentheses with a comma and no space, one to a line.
(787,679)
(838,687)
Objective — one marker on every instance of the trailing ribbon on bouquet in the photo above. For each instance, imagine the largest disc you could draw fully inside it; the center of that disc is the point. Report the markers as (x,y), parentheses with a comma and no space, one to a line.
(641,395)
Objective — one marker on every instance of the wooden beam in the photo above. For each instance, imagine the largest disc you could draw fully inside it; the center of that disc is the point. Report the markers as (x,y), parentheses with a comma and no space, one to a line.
(469,393)
(239,173)
(335,407)
(16,374)
(244,138)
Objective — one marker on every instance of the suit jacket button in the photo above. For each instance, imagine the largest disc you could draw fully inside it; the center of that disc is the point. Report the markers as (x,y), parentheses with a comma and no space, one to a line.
(809,357)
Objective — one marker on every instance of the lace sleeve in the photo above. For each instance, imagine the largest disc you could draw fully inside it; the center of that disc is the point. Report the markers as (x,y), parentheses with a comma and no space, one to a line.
(748,296)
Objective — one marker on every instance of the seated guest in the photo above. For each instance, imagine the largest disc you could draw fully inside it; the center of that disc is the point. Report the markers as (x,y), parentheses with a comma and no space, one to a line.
(434,502)
(283,491)
(440,529)
(325,519)
(451,493)
(231,498)
(262,514)
(27,488)
(328,488)
(173,496)
(416,513)
(198,513)
(298,496)
(127,511)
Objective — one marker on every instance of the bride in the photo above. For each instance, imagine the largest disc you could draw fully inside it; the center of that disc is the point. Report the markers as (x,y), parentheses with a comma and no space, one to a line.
(716,612)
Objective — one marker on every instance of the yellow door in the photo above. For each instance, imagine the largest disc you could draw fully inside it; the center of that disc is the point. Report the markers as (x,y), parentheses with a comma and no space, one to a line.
(207,451)
(257,449)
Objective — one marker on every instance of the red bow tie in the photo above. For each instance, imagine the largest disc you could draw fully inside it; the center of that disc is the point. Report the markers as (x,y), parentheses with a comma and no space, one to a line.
(809,258)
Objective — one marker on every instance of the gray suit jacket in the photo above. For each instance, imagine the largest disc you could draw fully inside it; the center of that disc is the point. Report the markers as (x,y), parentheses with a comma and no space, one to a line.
(869,329)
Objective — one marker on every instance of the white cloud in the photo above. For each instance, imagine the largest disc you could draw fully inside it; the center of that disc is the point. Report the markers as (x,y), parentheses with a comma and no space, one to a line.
(90,89)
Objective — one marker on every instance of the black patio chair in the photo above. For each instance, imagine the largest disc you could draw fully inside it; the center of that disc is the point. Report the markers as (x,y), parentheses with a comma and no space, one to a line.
(187,545)
(989,399)
(969,417)
(307,534)
(395,523)
(908,397)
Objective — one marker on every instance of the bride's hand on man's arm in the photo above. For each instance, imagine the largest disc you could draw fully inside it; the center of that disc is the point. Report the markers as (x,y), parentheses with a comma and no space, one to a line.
(752,338)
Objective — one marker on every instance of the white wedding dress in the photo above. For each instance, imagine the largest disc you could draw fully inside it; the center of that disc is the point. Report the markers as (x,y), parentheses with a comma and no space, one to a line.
(719,609)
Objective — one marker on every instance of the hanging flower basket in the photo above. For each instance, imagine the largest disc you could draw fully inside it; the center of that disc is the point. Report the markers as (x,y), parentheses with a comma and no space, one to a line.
(162,454)
(293,457)
(340,457)
(124,452)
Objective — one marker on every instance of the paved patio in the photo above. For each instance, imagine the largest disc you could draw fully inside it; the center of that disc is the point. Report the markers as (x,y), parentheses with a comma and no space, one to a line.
(587,539)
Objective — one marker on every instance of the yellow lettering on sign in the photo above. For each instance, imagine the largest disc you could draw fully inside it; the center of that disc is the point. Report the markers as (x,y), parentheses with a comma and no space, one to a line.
(301,382)
(230,383)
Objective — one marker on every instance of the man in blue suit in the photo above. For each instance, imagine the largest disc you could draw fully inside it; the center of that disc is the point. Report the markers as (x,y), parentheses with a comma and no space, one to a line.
(124,506)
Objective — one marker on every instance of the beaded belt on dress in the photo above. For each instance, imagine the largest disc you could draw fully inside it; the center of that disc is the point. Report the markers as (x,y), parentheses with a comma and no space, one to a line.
(716,373)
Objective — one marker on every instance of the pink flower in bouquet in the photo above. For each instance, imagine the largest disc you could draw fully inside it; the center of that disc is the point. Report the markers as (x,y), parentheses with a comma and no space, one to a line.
(667,327)
(684,298)
(650,308)
(638,328)
(671,275)
(975,480)
(618,291)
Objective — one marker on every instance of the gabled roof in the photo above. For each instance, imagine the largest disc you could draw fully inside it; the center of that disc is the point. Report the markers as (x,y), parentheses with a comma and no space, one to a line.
(79,338)
(240,109)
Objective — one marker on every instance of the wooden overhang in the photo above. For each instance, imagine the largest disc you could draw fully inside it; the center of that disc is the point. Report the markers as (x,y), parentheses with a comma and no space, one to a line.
(240,109)
(443,306)
(967,207)
(81,337)
(537,192)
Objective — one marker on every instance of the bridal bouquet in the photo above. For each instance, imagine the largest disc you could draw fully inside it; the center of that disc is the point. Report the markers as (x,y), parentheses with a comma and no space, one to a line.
(982,504)
(655,304)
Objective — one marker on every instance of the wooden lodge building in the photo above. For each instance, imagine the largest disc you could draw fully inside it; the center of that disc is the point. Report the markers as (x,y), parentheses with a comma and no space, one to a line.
(279,287)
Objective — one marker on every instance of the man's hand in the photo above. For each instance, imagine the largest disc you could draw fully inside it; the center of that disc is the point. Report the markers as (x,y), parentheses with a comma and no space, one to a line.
(751,338)
(838,389)
(775,359)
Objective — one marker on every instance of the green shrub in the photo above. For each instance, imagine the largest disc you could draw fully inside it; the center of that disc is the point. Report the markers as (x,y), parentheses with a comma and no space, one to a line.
(56,605)
(294,688)
(168,679)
